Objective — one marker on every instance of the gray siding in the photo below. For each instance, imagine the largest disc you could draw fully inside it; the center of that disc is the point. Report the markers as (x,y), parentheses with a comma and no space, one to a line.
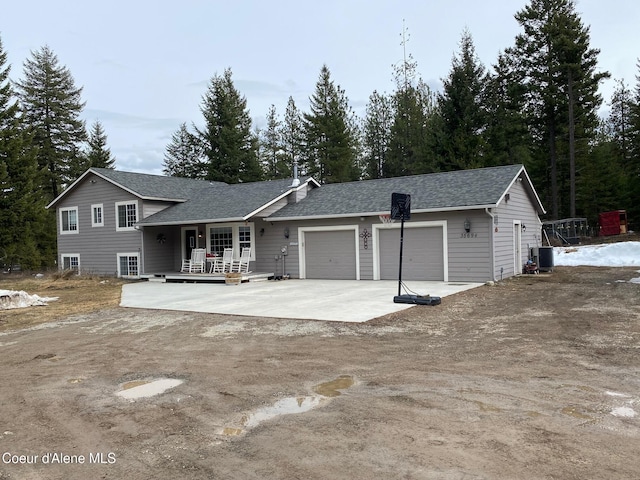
(97,246)
(469,254)
(517,209)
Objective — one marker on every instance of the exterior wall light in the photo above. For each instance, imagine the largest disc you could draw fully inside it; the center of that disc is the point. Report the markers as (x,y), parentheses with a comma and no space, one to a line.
(467,225)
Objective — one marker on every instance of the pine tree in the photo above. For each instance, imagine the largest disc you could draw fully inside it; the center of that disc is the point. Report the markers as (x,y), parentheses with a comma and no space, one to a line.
(508,140)
(98,154)
(183,155)
(330,133)
(229,147)
(25,228)
(272,152)
(461,106)
(558,65)
(51,105)
(412,134)
(292,137)
(377,134)
(633,167)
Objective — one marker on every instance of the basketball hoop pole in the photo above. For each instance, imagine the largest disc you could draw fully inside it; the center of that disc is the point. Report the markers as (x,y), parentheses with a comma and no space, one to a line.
(401,242)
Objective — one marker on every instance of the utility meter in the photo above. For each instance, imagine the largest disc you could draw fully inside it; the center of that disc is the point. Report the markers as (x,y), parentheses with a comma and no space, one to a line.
(283,250)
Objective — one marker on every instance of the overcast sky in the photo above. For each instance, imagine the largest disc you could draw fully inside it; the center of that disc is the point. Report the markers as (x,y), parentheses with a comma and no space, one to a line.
(145,64)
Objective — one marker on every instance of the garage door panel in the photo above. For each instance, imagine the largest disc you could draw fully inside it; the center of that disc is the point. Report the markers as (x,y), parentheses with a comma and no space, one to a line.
(330,255)
(423,257)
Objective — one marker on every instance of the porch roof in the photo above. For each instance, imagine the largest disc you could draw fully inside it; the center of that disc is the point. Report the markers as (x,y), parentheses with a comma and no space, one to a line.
(237,202)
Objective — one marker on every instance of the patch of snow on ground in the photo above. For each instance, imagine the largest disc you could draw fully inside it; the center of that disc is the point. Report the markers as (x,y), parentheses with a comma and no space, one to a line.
(624,412)
(13,299)
(622,254)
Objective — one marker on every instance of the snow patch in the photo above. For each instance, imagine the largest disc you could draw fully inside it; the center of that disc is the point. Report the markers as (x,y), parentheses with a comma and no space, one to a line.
(624,412)
(622,254)
(13,299)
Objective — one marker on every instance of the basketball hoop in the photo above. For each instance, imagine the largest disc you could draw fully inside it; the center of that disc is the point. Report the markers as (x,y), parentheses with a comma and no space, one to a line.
(386,219)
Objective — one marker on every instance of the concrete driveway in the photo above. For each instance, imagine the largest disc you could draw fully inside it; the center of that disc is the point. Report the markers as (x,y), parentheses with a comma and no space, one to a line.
(333,300)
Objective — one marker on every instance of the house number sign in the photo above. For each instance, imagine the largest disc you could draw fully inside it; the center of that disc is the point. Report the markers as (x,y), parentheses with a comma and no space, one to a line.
(468,235)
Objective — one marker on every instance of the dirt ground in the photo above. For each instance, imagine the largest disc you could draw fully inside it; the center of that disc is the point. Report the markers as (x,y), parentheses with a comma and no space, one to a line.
(536,377)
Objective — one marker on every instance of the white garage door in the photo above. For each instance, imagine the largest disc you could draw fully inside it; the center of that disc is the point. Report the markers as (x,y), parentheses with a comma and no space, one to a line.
(423,257)
(330,255)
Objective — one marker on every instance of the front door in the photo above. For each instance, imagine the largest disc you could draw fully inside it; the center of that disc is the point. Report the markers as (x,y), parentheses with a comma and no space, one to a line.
(190,241)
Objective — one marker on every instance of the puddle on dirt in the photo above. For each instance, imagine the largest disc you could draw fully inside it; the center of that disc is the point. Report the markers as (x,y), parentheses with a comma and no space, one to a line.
(147,388)
(331,389)
(290,405)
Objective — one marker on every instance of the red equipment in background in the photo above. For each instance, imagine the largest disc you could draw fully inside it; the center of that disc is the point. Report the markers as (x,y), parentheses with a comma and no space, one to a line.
(613,223)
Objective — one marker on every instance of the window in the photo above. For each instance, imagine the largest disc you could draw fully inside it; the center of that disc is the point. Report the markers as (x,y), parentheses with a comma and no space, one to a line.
(231,235)
(126,215)
(71,261)
(68,220)
(244,237)
(128,265)
(221,238)
(96,216)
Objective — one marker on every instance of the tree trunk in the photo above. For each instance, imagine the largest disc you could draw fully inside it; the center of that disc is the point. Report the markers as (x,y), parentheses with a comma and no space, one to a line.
(553,163)
(572,151)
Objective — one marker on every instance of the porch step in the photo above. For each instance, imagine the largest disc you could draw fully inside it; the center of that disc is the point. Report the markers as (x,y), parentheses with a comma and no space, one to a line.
(157,279)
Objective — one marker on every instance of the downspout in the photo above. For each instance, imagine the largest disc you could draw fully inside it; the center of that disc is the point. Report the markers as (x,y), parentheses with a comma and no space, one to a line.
(492,243)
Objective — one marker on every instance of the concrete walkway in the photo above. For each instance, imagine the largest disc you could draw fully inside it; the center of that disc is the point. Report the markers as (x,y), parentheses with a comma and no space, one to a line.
(333,300)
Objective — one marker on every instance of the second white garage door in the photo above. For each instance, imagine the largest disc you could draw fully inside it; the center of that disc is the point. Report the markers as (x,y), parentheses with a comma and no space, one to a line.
(330,254)
(423,257)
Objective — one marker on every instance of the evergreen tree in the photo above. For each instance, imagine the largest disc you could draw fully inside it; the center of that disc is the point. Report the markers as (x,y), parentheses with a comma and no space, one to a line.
(25,229)
(229,147)
(51,107)
(558,65)
(603,182)
(461,106)
(633,166)
(272,150)
(292,137)
(98,154)
(377,134)
(508,140)
(183,155)
(412,134)
(330,133)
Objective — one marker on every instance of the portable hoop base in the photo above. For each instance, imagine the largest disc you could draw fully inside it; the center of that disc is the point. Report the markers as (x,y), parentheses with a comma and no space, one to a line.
(417,299)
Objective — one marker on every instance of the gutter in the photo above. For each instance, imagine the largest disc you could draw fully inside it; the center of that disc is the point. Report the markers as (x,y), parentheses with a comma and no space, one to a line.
(492,241)
(374,214)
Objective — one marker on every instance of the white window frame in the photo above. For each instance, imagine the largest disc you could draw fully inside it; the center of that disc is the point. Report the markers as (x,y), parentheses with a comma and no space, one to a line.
(64,211)
(235,236)
(95,207)
(132,227)
(127,254)
(70,256)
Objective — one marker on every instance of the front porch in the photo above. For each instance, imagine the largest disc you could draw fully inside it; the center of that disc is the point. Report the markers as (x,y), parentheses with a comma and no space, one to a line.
(185,277)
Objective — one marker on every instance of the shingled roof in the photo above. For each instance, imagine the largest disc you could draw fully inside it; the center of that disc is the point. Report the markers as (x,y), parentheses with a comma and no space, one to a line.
(223,203)
(155,187)
(463,189)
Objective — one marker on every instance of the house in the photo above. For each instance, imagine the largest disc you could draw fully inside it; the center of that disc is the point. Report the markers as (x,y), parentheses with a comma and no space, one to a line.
(469,225)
